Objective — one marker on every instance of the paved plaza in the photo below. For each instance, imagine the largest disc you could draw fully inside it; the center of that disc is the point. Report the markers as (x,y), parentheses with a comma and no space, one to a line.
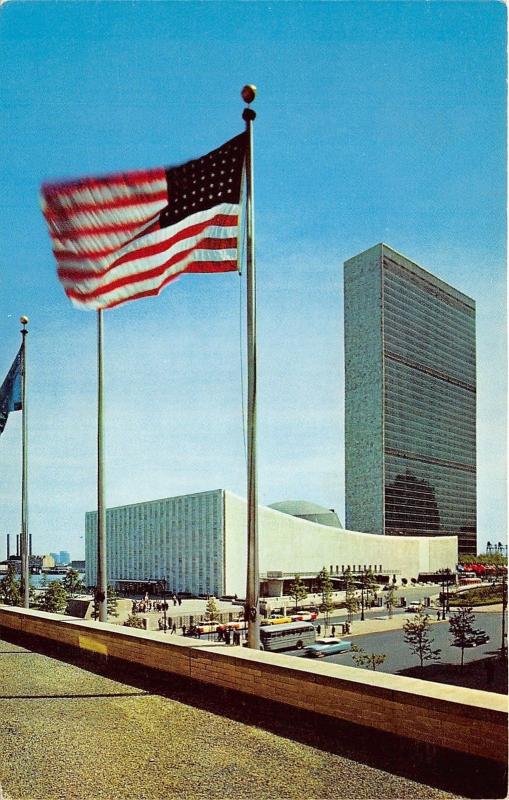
(68,733)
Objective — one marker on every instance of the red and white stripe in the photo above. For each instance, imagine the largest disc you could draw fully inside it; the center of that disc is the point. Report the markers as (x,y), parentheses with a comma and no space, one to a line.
(110,248)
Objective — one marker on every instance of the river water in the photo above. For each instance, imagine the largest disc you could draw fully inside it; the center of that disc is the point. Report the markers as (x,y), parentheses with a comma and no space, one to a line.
(39,581)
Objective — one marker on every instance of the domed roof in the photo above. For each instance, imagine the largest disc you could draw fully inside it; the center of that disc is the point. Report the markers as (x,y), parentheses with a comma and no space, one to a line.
(310,511)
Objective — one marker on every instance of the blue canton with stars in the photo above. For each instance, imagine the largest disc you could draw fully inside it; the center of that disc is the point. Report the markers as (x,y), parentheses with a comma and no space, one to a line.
(205,182)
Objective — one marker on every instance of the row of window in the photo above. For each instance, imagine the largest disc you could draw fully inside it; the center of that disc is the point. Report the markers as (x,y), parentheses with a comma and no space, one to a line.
(452,359)
(407,281)
(439,349)
(432,319)
(449,374)
(448,443)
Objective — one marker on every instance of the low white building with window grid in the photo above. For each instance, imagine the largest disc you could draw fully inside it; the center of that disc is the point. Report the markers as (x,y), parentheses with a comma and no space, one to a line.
(197,544)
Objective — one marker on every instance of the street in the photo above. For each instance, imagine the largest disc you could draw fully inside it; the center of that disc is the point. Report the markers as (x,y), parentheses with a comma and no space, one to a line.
(399,657)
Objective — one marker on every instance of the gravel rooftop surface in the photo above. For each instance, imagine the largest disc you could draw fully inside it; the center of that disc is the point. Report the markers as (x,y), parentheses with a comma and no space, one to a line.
(72,734)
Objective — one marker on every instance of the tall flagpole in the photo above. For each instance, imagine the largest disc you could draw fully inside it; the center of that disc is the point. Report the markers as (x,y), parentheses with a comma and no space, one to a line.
(24,468)
(253,579)
(102,570)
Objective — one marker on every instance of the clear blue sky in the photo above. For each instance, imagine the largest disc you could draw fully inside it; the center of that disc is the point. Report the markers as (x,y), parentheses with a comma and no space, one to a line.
(376,122)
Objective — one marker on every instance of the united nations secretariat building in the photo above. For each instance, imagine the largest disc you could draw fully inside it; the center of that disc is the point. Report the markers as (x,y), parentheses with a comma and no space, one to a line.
(197,543)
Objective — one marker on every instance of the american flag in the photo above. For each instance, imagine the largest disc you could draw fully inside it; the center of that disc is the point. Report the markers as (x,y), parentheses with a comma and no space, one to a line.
(126,236)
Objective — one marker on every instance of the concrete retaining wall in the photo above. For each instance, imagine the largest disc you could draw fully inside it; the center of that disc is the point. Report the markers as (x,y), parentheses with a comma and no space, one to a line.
(465,720)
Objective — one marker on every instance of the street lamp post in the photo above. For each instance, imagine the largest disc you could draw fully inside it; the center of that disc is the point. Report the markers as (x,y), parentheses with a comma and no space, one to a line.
(443,593)
(503,649)
(362,595)
(165,606)
(447,584)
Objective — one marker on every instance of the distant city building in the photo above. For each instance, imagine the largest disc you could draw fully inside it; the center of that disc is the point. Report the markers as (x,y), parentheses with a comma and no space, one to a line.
(197,543)
(65,557)
(56,558)
(78,565)
(410,401)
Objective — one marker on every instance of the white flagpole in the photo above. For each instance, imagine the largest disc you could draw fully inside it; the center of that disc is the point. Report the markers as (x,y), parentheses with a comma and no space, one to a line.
(102,569)
(253,577)
(25,568)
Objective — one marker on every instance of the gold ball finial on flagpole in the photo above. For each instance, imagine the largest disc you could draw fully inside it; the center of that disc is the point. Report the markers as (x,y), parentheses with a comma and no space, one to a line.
(248,93)
(24,320)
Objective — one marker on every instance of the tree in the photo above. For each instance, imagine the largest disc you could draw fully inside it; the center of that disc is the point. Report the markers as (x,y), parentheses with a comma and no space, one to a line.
(10,588)
(351,599)
(368,590)
(370,586)
(418,638)
(54,598)
(72,583)
(461,627)
(363,659)
(111,604)
(390,599)
(212,609)
(133,621)
(327,603)
(298,590)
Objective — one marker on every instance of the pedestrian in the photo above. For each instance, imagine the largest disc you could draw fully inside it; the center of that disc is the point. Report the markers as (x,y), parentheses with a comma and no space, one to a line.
(438,615)
(318,629)
(227,636)
(174,628)
(179,601)
(183,630)
(333,630)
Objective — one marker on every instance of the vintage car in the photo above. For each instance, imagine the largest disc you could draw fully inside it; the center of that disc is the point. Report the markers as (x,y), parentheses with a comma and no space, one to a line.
(327,646)
(304,616)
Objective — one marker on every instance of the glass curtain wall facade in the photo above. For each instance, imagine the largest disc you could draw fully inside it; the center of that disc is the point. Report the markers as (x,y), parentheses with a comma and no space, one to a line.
(179,539)
(410,401)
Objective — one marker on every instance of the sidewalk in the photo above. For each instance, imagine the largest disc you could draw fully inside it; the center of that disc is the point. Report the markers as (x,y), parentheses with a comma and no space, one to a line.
(378,621)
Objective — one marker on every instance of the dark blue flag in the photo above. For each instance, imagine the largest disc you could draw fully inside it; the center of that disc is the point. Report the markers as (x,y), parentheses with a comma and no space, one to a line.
(10,391)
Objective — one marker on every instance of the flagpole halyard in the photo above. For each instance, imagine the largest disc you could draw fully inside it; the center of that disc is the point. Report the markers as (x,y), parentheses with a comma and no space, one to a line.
(25,556)
(253,579)
(102,574)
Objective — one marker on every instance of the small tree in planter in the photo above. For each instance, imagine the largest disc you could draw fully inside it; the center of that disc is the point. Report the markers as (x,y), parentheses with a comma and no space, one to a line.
(212,609)
(133,621)
(461,627)
(298,590)
(364,659)
(72,583)
(390,599)
(10,588)
(419,640)
(54,598)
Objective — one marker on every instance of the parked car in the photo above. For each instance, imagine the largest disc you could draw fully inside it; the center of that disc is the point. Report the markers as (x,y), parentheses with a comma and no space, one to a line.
(327,647)
(413,608)
(238,625)
(479,637)
(206,627)
(304,616)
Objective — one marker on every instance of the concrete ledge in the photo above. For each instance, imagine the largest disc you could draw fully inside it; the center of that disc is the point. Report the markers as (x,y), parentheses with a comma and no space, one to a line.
(464,720)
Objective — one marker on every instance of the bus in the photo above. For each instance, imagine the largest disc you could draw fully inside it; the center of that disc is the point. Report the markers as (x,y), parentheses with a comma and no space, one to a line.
(287,636)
